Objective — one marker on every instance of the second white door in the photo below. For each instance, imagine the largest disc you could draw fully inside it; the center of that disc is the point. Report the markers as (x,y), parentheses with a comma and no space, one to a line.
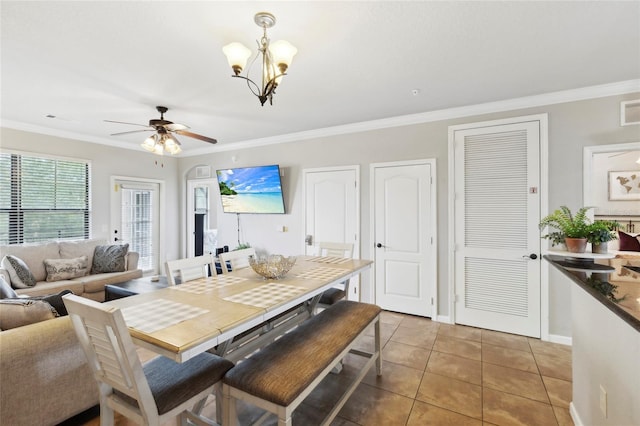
(332,211)
(404,236)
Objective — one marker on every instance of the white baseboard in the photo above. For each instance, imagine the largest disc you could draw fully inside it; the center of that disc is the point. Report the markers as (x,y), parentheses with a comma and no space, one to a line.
(563,340)
(443,318)
(574,415)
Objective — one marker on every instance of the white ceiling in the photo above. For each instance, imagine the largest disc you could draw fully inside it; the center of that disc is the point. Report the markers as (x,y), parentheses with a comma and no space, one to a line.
(85,62)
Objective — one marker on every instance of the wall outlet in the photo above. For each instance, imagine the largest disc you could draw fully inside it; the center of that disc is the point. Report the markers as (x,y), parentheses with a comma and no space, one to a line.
(603,401)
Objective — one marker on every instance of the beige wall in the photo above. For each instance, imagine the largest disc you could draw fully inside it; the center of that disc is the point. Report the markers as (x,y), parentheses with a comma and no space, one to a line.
(572,126)
(105,163)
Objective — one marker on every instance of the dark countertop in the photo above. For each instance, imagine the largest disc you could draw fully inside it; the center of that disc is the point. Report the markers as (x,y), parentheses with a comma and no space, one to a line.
(613,282)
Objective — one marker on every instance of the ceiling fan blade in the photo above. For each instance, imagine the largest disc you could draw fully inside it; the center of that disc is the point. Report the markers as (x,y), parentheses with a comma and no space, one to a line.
(196,136)
(173,127)
(131,131)
(122,122)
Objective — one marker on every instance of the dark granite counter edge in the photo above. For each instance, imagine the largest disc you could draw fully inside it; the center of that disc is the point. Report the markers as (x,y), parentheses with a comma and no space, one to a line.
(612,306)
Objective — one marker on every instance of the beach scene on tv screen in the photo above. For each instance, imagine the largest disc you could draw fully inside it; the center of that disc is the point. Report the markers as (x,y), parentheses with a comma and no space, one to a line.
(251,190)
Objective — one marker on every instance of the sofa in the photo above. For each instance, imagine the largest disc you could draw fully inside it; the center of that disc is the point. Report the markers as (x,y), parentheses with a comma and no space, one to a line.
(90,285)
(45,375)
(45,378)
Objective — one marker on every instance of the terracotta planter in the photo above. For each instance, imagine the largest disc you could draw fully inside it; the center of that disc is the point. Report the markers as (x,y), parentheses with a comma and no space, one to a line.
(599,248)
(576,245)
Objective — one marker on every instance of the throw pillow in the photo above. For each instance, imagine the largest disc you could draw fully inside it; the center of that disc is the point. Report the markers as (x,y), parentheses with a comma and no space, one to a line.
(628,242)
(65,269)
(6,292)
(109,258)
(55,300)
(18,312)
(21,276)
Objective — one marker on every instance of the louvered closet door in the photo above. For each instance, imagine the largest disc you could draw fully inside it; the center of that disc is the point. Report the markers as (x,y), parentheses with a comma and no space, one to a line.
(496,226)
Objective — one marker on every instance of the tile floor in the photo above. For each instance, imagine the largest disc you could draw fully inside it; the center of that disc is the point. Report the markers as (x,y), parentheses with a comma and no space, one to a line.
(440,374)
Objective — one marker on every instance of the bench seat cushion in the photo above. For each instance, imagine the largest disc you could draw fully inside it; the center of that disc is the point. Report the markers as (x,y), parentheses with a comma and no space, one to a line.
(282,370)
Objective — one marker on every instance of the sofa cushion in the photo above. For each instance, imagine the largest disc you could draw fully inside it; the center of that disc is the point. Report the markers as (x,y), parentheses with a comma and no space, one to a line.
(109,258)
(64,269)
(77,248)
(21,276)
(96,282)
(18,312)
(33,255)
(44,288)
(6,292)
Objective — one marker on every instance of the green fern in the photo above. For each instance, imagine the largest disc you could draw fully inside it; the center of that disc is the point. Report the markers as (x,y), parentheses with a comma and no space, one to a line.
(567,224)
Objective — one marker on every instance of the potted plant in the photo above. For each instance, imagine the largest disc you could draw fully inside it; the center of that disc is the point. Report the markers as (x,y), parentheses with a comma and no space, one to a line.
(574,229)
(600,233)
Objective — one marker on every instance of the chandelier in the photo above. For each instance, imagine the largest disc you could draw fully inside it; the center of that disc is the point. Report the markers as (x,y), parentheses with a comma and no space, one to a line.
(276,58)
(162,141)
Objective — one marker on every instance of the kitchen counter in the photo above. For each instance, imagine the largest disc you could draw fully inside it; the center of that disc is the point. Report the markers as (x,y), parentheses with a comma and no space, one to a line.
(605,334)
(613,282)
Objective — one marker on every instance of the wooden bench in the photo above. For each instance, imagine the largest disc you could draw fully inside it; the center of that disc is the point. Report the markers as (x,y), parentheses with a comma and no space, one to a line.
(281,375)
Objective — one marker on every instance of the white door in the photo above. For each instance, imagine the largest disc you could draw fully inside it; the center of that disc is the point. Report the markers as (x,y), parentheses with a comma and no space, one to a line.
(135,219)
(403,200)
(332,211)
(497,241)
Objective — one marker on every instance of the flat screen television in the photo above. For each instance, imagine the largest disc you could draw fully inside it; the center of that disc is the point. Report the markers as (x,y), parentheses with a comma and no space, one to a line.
(251,190)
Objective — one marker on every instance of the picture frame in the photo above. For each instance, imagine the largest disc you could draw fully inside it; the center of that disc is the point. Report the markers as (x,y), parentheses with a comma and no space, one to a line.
(624,185)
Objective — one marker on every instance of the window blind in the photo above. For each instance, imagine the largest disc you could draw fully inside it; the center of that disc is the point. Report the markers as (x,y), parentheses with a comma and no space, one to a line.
(43,199)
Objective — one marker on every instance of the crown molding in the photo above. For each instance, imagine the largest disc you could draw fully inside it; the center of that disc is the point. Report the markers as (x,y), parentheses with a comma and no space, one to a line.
(552,98)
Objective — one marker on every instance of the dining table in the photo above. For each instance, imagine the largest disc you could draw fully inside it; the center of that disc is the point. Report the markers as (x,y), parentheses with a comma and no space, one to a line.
(182,321)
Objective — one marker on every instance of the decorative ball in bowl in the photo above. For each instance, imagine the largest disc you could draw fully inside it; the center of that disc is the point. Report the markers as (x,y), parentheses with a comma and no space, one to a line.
(272,267)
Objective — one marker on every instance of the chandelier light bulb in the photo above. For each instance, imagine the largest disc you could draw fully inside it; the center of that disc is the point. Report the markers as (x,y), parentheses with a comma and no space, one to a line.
(237,55)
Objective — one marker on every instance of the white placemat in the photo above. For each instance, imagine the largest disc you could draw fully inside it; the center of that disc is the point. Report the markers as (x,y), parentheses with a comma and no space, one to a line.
(266,295)
(329,259)
(321,273)
(200,287)
(158,314)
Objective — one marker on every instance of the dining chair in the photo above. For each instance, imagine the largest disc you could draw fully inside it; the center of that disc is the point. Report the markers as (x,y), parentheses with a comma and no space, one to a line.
(149,394)
(190,268)
(237,259)
(334,294)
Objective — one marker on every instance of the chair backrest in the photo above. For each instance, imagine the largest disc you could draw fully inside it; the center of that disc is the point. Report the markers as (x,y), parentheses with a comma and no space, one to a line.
(190,268)
(237,259)
(335,249)
(112,356)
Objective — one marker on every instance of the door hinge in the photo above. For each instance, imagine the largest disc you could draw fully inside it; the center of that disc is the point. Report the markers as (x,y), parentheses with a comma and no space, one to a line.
(456,298)
(432,300)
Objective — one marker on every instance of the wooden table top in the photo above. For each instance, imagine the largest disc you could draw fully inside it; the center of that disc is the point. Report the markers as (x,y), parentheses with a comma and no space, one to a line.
(184,320)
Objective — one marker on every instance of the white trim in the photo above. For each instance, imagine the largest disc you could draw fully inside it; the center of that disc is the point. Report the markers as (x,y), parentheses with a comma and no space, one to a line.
(543,120)
(433,224)
(162,215)
(563,340)
(572,95)
(577,421)
(446,319)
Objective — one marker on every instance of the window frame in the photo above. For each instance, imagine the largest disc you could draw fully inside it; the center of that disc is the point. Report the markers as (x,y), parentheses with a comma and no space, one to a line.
(16,233)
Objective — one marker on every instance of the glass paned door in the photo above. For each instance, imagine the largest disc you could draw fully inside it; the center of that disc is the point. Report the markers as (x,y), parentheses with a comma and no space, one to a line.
(136,221)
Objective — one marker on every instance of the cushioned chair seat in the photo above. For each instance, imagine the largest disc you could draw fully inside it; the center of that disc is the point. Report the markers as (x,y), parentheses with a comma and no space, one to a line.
(281,371)
(172,383)
(332,296)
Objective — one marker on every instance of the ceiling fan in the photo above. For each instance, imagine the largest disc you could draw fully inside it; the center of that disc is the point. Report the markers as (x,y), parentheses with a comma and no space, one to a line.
(163,139)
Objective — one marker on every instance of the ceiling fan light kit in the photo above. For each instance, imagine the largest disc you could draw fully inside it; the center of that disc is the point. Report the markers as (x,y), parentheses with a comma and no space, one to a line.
(276,59)
(163,140)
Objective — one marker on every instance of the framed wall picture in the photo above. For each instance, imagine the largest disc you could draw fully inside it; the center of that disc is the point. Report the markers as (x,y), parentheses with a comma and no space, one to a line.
(624,186)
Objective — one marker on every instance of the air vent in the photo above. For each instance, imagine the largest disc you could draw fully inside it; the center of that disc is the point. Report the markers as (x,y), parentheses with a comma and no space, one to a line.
(203,172)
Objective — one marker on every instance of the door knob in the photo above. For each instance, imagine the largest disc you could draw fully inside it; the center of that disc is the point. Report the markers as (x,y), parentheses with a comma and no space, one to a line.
(379,245)
(532,256)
